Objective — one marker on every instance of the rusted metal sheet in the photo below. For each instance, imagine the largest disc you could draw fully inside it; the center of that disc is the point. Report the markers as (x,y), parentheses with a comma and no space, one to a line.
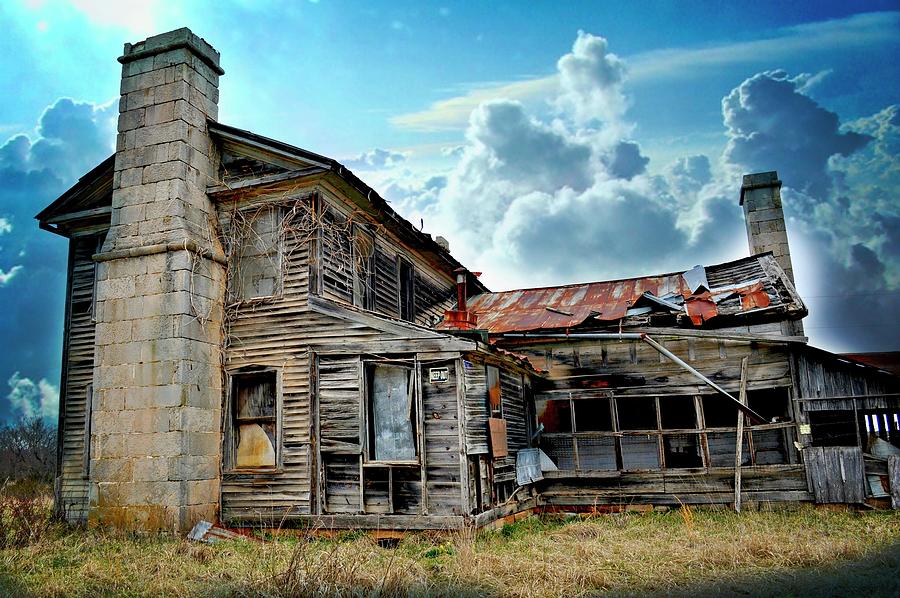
(497,429)
(749,284)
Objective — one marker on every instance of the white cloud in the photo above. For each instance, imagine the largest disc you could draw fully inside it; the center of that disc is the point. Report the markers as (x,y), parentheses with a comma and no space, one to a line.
(862,30)
(33,399)
(591,81)
(7,276)
(376,158)
(5,226)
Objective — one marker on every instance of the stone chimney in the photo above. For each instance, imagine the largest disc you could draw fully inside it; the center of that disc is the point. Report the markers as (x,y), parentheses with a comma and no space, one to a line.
(157,386)
(761,199)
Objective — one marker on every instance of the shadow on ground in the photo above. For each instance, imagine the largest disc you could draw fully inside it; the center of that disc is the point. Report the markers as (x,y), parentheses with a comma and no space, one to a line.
(876,575)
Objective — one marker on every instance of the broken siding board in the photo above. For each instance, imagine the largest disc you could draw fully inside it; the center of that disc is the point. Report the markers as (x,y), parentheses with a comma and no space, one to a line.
(835,474)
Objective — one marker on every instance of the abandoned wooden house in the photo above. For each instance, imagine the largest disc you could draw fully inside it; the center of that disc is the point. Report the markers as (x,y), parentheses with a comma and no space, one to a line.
(253,335)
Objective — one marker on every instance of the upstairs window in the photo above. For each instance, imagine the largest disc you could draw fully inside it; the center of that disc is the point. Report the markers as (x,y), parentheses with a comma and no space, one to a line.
(363,268)
(254,429)
(407,290)
(391,413)
(256,258)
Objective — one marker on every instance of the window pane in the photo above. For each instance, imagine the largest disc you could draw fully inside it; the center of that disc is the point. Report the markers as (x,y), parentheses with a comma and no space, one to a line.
(771,403)
(257,260)
(770,447)
(392,407)
(256,445)
(592,415)
(560,450)
(719,412)
(597,453)
(407,293)
(678,413)
(492,381)
(255,395)
(721,449)
(640,452)
(682,450)
(555,415)
(637,413)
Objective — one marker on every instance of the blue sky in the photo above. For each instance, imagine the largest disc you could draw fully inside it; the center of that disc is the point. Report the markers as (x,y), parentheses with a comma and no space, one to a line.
(549,142)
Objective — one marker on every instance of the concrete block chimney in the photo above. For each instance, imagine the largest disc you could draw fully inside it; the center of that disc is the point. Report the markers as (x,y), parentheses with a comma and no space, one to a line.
(157,385)
(761,199)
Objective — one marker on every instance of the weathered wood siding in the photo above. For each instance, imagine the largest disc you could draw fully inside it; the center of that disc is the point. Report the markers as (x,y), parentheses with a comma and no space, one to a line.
(442,449)
(79,369)
(834,382)
(836,474)
(476,409)
(772,483)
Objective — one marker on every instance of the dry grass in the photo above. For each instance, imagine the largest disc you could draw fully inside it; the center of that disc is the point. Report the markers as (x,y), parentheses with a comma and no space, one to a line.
(685,552)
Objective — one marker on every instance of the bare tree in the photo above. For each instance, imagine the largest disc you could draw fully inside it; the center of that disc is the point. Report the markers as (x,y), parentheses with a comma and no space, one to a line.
(28,450)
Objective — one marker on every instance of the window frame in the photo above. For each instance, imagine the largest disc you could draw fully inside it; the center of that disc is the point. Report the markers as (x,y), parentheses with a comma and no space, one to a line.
(368,416)
(230,436)
(235,295)
(411,292)
(363,275)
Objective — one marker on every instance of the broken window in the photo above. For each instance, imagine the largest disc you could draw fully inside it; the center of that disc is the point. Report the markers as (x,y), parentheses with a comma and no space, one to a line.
(492,381)
(833,428)
(392,413)
(682,450)
(771,403)
(640,451)
(638,413)
(719,412)
(678,413)
(406,274)
(555,415)
(256,261)
(592,415)
(363,268)
(255,419)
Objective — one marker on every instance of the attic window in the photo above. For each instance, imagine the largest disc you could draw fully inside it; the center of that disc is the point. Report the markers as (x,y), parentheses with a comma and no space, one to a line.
(255,420)
(256,261)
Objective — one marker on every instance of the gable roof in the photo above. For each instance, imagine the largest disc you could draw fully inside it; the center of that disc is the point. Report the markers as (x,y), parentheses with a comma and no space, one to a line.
(754,286)
(90,197)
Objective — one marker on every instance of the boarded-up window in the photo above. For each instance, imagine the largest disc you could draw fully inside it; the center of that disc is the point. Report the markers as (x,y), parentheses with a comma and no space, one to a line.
(406,276)
(493,391)
(392,407)
(256,263)
(255,423)
(363,268)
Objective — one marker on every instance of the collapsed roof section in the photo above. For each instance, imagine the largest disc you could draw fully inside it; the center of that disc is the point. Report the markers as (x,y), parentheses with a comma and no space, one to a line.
(750,289)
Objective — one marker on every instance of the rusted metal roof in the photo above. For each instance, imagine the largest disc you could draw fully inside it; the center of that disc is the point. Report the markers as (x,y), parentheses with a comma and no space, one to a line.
(751,284)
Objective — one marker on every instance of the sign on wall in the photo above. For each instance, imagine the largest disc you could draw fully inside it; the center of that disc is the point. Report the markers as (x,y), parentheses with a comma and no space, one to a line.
(438,375)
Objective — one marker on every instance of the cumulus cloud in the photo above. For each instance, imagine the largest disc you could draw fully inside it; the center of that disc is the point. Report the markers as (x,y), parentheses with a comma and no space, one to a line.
(590,79)
(772,124)
(72,137)
(29,399)
(5,226)
(376,158)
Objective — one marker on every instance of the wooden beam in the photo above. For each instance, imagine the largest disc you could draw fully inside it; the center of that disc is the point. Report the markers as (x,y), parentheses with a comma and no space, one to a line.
(739,449)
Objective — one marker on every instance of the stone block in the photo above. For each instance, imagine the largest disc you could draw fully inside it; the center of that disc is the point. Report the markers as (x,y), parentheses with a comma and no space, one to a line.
(162,133)
(109,333)
(143,80)
(163,493)
(140,98)
(130,177)
(109,446)
(190,467)
(170,92)
(197,492)
(164,171)
(111,470)
(131,119)
(136,67)
(150,469)
(115,288)
(201,443)
(160,444)
(145,421)
(194,419)
(160,113)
